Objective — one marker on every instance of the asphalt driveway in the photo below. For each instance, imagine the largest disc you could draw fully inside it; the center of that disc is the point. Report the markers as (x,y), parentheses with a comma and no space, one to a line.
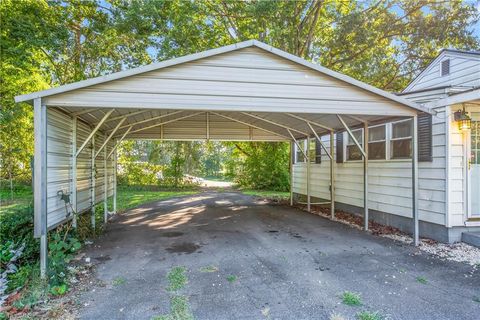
(245,259)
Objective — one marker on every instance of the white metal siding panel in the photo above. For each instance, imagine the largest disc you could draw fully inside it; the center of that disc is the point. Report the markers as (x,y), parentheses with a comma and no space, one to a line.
(250,79)
(99,168)
(59,166)
(59,135)
(390,186)
(83,168)
(110,168)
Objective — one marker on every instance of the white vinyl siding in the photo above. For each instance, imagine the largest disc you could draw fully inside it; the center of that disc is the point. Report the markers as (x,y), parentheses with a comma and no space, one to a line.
(464,72)
(390,181)
(458,159)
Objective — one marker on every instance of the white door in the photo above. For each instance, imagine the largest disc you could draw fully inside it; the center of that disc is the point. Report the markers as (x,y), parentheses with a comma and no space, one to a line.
(474,166)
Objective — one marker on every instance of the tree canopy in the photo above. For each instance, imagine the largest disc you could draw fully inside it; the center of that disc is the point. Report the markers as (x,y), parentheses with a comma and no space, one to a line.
(48,43)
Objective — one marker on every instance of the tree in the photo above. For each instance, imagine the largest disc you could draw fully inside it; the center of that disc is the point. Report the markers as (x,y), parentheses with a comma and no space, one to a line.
(47,43)
(260,165)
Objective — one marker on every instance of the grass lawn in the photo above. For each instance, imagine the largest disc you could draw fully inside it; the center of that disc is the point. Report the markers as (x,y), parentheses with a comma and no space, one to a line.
(130,197)
(276,195)
(22,198)
(127,198)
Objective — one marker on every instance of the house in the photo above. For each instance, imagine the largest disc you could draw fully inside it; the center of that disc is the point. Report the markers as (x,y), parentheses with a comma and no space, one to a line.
(449,157)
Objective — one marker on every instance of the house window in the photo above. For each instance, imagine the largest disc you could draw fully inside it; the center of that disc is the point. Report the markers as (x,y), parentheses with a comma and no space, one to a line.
(401,140)
(300,157)
(353,152)
(445,68)
(376,143)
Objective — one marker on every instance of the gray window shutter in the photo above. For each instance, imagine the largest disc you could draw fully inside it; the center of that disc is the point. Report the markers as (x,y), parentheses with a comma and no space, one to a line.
(318,151)
(339,147)
(424,122)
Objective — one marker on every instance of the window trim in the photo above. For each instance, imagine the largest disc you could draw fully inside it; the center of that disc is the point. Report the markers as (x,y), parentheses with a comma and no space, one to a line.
(410,137)
(387,145)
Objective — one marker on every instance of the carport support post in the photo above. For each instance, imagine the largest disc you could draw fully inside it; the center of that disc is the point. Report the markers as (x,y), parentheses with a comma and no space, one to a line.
(299,148)
(40,182)
(93,177)
(308,175)
(416,238)
(364,150)
(292,153)
(365,177)
(115,159)
(73,187)
(332,175)
(105,184)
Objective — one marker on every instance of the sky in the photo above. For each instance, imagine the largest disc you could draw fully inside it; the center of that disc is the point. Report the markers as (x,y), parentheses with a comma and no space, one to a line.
(476,29)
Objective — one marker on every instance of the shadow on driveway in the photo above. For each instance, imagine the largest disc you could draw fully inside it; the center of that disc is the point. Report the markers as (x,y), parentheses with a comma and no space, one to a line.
(273,261)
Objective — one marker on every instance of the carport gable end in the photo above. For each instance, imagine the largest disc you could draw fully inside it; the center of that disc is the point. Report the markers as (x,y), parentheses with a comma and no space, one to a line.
(248,76)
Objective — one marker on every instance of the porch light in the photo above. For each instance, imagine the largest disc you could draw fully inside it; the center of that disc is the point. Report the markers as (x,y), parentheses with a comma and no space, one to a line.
(463,120)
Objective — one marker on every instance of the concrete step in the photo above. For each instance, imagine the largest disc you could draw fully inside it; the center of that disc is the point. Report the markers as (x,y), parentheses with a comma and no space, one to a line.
(472,238)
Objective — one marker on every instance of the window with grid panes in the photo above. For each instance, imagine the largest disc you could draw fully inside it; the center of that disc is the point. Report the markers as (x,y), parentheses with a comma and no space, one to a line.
(377,142)
(401,140)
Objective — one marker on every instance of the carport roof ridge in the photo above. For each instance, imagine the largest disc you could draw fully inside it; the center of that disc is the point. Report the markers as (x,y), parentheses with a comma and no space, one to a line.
(210,53)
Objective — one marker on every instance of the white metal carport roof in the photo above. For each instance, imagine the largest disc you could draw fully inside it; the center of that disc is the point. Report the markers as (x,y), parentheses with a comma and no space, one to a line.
(241,88)
(245,91)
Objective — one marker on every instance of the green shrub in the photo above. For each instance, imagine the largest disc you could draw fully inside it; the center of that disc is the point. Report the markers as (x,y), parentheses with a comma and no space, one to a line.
(16,230)
(139,173)
(6,253)
(22,276)
(16,225)
(61,251)
(260,165)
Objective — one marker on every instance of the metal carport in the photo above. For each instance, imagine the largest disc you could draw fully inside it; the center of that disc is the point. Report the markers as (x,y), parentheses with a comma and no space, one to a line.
(247,91)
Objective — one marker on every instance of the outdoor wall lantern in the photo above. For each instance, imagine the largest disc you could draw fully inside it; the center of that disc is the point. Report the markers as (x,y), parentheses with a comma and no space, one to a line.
(463,120)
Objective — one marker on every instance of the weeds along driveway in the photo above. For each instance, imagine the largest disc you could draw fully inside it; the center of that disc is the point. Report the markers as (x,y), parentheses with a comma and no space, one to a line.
(229,256)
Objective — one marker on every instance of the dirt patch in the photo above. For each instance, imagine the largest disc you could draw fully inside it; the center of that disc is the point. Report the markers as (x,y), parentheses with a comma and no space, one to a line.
(62,307)
(184,247)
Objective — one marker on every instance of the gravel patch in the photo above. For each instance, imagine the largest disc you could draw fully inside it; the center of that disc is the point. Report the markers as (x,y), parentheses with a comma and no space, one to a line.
(459,252)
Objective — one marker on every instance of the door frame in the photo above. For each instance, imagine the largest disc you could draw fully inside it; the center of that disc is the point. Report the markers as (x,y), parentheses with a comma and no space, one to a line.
(467,155)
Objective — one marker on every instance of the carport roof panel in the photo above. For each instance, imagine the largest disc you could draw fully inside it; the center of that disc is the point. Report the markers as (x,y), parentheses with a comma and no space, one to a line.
(209,53)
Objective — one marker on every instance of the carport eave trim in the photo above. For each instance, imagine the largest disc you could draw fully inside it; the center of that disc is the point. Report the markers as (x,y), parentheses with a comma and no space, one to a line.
(212,52)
